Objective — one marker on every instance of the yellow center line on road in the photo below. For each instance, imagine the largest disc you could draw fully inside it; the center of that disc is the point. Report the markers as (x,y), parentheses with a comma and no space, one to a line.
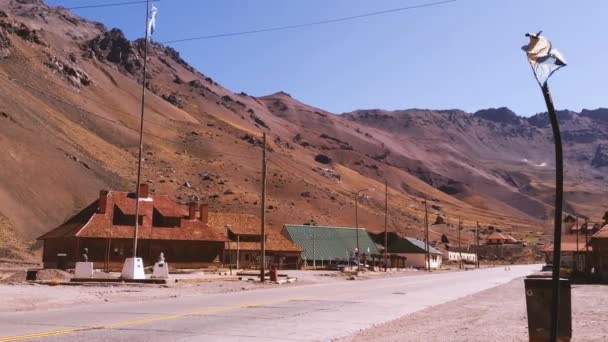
(180,315)
(145,320)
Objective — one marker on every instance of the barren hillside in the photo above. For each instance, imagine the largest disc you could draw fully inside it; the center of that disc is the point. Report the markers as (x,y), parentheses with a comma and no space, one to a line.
(69,111)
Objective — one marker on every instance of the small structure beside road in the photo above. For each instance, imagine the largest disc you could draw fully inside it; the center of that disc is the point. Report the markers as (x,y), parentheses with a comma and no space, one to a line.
(463,254)
(414,252)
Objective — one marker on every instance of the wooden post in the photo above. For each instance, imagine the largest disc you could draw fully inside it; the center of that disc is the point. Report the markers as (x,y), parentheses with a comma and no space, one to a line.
(385,223)
(263,215)
(587,248)
(314,250)
(459,245)
(477,243)
(357,230)
(577,252)
(238,254)
(426,236)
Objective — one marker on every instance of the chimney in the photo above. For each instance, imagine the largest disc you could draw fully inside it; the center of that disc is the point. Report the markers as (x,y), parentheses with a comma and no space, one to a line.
(192,211)
(144,190)
(204,211)
(102,204)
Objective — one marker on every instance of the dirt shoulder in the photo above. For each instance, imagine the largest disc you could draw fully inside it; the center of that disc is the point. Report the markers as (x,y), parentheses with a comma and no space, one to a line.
(497,314)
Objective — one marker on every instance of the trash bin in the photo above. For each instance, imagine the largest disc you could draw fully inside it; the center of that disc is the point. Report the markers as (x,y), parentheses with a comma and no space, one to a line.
(538,304)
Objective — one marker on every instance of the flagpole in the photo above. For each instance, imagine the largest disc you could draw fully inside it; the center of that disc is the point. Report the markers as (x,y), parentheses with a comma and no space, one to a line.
(559,197)
(141,132)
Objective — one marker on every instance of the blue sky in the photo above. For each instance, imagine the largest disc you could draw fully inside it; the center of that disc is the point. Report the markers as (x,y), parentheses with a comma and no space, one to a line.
(466,54)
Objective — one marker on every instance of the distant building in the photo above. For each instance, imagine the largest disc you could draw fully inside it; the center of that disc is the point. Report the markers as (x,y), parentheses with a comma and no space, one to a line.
(497,238)
(599,243)
(106,228)
(414,252)
(243,250)
(328,245)
(464,253)
(575,253)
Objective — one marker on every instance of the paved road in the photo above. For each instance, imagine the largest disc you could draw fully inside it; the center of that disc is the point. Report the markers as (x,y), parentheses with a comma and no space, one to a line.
(300,313)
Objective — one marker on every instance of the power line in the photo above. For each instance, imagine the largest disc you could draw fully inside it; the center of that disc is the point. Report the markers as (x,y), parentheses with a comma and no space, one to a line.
(57,98)
(240,33)
(314,23)
(112,4)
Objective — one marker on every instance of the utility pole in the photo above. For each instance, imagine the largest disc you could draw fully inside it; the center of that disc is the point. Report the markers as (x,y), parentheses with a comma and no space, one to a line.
(357,230)
(238,256)
(263,215)
(358,252)
(459,245)
(385,224)
(577,252)
(477,243)
(426,236)
(586,247)
(314,251)
(230,249)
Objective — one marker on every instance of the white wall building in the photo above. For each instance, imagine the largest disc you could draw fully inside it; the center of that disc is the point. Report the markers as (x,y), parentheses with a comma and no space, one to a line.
(414,251)
(466,257)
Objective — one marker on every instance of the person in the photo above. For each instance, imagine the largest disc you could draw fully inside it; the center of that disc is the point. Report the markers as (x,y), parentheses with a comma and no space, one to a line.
(85,255)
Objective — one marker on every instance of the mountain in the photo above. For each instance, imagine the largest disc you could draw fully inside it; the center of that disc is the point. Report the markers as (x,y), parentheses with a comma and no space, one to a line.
(69,120)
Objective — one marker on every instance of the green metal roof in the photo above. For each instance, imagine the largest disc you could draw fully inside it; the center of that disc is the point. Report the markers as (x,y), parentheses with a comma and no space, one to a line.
(410,245)
(329,243)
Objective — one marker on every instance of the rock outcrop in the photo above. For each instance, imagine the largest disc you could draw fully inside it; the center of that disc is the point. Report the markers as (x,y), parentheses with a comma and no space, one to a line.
(70,71)
(601,157)
(500,115)
(114,47)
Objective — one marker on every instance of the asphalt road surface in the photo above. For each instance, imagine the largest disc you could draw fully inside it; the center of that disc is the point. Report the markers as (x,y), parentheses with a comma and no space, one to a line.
(316,312)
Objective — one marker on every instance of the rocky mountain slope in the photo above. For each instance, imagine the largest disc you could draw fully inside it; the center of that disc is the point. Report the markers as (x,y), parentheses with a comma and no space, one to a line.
(69,115)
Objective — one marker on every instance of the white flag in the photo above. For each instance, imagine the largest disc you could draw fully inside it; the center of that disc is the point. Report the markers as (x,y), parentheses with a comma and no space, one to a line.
(152,21)
(543,58)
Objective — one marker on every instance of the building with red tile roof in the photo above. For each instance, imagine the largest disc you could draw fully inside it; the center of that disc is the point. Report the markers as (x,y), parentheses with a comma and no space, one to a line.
(576,252)
(599,242)
(244,245)
(106,228)
(189,236)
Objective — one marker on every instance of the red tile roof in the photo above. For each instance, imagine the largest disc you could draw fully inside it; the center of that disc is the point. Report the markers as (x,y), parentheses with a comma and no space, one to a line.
(247,224)
(602,233)
(94,223)
(569,244)
(73,225)
(496,236)
(239,224)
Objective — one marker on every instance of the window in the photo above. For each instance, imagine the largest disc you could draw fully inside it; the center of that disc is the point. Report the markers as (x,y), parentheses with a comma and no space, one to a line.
(120,219)
(158,220)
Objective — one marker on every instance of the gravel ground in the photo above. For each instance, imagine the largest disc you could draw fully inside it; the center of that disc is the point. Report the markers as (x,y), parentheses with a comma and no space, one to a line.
(497,314)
